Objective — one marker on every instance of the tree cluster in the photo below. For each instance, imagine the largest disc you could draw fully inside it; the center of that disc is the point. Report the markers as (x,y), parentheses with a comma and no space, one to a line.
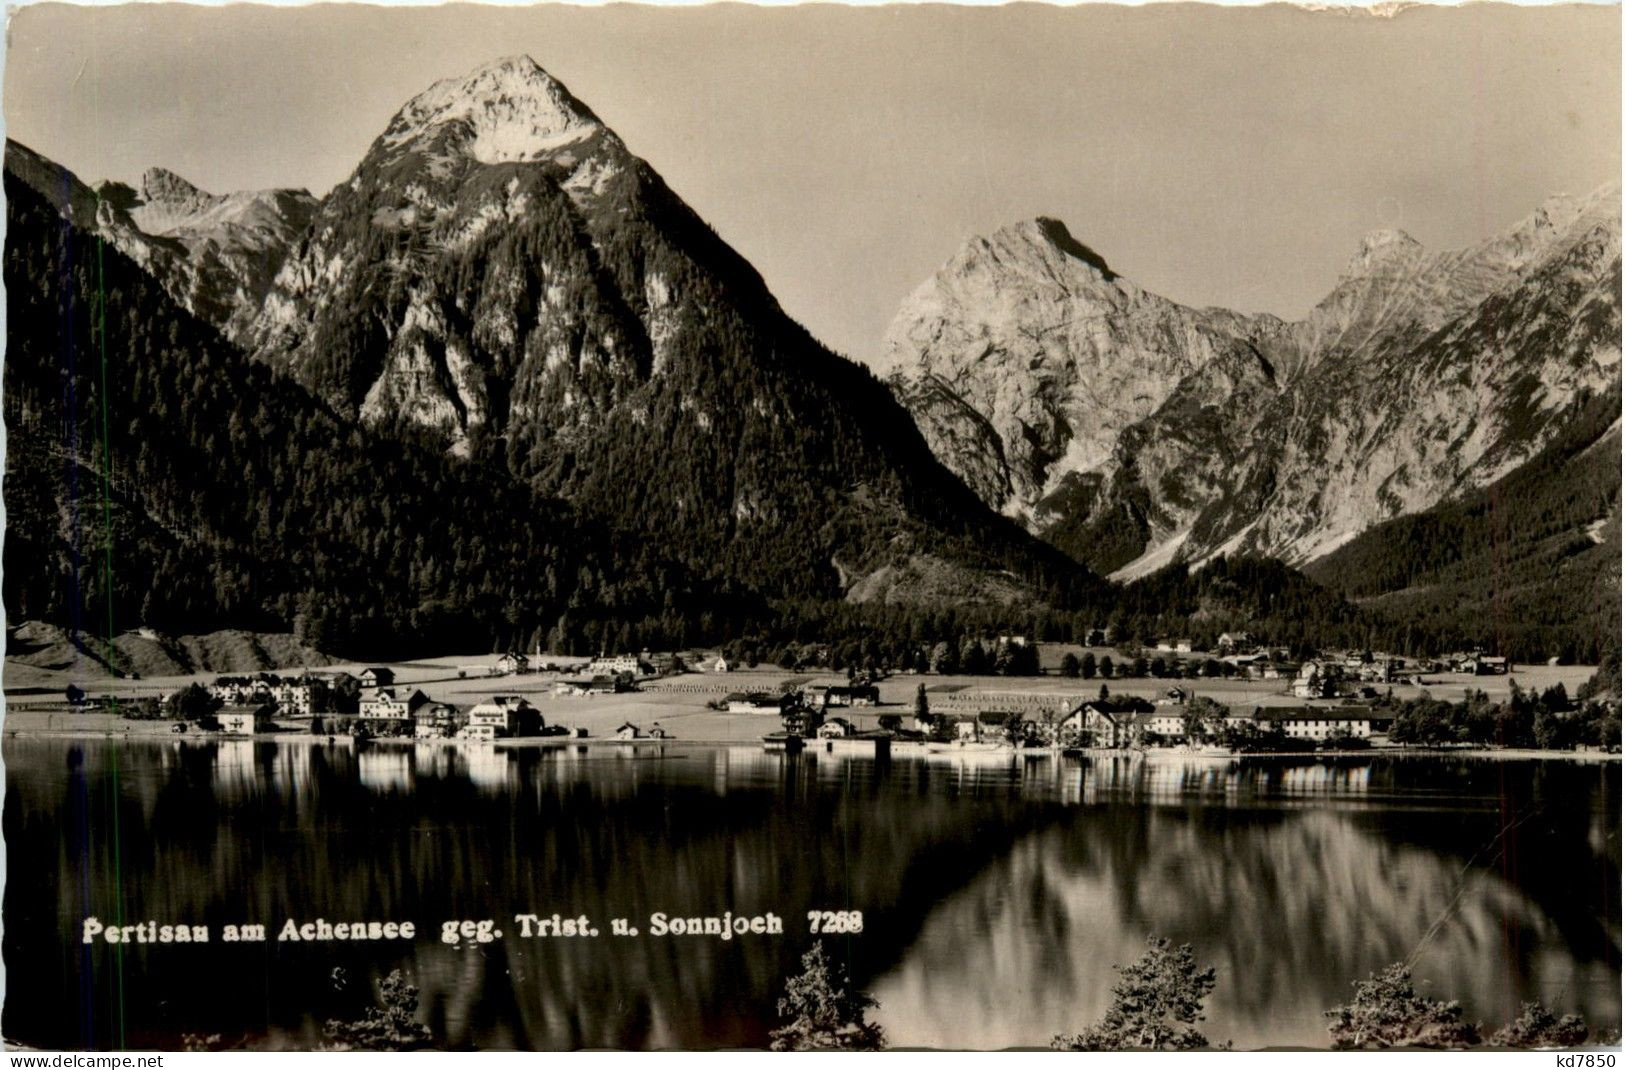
(390,1024)
(1548,720)
(1387,1012)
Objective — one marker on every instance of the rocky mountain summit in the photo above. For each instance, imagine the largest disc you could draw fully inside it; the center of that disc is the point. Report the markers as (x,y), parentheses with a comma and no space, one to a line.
(461,233)
(510,110)
(233,243)
(1135,432)
(1012,359)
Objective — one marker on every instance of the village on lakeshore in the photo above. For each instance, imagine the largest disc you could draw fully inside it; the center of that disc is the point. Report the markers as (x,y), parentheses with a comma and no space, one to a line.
(1243,696)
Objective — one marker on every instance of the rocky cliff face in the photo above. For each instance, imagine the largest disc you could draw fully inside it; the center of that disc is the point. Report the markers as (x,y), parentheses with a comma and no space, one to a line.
(1012,359)
(1134,432)
(215,254)
(459,240)
(233,243)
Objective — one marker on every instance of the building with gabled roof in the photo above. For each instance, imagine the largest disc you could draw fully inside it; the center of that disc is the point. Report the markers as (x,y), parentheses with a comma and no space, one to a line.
(386,704)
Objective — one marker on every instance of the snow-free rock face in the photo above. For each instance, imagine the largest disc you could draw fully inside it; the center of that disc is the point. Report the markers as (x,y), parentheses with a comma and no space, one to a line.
(513,110)
(447,283)
(1026,359)
(1134,432)
(214,254)
(233,243)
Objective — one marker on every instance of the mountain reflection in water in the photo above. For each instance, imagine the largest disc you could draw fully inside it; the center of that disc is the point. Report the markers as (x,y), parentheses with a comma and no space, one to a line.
(997,891)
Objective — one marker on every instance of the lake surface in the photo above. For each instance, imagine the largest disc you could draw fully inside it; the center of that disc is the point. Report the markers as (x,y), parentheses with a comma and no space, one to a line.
(996,895)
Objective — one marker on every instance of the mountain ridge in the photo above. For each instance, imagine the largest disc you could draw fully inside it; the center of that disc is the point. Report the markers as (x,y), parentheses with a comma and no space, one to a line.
(215,254)
(501,275)
(1135,432)
(501,283)
(229,497)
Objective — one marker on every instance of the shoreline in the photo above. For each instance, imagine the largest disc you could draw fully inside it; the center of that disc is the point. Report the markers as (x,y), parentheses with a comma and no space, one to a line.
(907,748)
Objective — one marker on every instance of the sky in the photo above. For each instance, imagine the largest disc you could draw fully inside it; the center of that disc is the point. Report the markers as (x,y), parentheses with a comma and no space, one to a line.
(1225,156)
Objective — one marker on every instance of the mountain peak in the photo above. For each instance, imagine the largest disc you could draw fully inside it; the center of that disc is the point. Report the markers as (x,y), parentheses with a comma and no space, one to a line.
(1055,232)
(513,108)
(518,64)
(159,185)
(1381,248)
(1047,233)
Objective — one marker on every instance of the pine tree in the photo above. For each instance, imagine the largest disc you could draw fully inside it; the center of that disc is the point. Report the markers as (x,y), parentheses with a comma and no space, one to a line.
(825,1013)
(1155,1004)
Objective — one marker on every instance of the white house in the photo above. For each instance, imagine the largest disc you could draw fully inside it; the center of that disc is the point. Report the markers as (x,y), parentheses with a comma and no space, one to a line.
(236,690)
(1317,724)
(244,720)
(855,695)
(297,698)
(437,720)
(1167,724)
(502,714)
(1108,722)
(615,665)
(1314,681)
(385,704)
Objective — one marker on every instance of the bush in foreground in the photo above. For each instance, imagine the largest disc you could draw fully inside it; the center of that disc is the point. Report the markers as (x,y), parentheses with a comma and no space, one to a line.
(1387,1012)
(391,1025)
(1538,1027)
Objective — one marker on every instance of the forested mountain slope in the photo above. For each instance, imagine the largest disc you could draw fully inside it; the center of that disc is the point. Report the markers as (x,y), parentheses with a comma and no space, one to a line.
(1529,565)
(156,475)
(502,273)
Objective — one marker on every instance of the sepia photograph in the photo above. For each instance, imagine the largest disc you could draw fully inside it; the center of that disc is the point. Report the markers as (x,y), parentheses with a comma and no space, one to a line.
(812,528)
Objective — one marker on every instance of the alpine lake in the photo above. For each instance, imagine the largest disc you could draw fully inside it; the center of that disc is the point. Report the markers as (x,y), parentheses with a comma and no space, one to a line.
(996,892)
